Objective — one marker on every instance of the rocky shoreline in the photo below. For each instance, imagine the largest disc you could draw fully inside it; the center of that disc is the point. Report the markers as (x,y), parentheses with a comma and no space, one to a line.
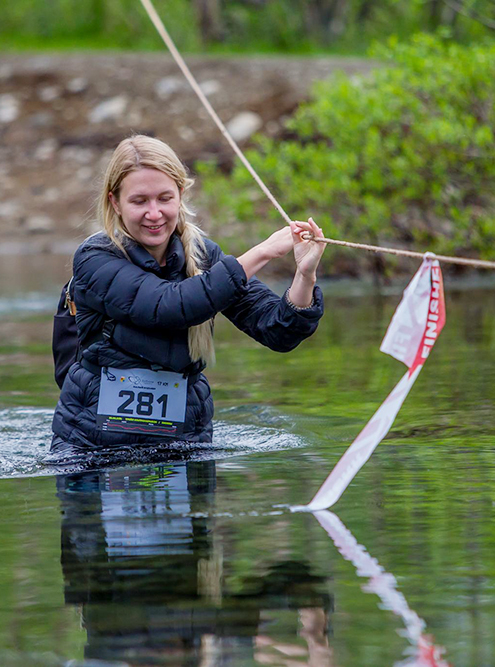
(61,115)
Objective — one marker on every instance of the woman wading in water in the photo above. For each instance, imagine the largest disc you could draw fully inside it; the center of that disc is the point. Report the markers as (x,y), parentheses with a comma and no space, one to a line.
(146,289)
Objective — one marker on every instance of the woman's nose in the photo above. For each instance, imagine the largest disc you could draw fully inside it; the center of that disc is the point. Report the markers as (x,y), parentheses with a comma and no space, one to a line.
(153,212)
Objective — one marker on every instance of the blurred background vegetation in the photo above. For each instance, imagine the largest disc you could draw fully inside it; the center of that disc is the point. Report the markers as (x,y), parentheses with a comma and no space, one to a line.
(403,156)
(290,26)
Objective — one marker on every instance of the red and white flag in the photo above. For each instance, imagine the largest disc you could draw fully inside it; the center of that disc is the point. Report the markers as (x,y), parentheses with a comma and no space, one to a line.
(418,319)
(411,334)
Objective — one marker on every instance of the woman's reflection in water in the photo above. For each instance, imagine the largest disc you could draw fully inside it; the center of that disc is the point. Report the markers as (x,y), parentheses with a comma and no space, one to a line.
(142,554)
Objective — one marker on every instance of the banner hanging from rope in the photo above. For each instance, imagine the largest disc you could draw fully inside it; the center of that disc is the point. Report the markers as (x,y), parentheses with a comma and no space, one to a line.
(410,337)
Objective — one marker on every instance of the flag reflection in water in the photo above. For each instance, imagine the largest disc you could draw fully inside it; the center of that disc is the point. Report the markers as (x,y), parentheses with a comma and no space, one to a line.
(422,652)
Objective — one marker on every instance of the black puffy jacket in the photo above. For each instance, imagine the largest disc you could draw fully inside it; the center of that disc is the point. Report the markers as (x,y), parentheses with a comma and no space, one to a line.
(150,308)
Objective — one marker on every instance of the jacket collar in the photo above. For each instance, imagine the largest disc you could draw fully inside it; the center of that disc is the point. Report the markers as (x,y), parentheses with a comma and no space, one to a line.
(174,257)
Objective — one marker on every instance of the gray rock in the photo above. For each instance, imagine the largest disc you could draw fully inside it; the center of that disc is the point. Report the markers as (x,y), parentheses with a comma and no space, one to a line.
(242,126)
(210,87)
(77,85)
(168,86)
(49,93)
(186,133)
(6,71)
(45,150)
(9,209)
(51,195)
(39,224)
(110,109)
(135,117)
(9,108)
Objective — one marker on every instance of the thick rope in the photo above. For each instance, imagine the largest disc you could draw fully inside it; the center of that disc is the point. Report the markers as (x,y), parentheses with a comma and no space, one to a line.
(479,263)
(162,31)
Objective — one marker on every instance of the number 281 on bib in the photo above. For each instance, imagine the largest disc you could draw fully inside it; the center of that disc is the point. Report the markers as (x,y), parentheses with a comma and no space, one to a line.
(142,401)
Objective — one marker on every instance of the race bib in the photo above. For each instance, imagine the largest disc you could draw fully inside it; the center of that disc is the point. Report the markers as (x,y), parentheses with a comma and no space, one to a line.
(138,400)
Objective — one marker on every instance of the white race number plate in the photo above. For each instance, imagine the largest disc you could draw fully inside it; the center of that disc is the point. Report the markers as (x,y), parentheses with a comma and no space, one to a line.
(138,400)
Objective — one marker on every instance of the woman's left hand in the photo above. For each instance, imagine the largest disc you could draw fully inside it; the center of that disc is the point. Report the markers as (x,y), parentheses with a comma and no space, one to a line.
(307,253)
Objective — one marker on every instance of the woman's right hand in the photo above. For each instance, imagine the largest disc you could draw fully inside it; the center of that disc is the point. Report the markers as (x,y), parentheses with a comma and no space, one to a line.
(276,245)
(307,252)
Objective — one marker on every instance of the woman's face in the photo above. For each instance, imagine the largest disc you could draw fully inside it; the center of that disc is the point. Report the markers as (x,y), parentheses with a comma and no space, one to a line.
(149,203)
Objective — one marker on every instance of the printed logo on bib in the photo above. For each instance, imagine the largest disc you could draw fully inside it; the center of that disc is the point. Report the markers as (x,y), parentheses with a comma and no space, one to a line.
(138,400)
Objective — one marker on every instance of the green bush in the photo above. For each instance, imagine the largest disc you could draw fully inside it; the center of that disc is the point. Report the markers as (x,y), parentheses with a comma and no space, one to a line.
(404,156)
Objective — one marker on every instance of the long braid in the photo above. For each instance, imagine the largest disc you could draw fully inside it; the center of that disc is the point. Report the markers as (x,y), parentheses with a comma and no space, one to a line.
(200,337)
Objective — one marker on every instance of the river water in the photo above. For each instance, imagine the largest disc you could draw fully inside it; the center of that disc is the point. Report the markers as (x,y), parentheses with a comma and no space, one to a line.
(196,559)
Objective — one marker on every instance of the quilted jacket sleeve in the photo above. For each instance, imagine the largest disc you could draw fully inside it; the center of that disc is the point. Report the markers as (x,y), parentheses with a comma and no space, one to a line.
(106,282)
(266,317)
(270,320)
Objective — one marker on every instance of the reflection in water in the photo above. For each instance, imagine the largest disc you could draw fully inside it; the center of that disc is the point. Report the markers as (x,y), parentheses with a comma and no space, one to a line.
(142,554)
(423,652)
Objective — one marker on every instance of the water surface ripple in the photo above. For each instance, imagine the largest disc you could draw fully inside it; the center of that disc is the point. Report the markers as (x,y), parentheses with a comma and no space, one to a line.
(25,436)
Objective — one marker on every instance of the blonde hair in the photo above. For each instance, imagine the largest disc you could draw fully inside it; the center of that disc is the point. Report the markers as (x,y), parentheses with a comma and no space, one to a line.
(139,152)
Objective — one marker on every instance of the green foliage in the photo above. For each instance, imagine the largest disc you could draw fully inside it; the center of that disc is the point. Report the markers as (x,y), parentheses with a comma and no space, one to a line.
(404,156)
(95,24)
(295,26)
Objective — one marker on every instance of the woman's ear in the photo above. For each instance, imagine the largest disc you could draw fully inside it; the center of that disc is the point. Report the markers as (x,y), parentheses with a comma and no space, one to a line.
(114,202)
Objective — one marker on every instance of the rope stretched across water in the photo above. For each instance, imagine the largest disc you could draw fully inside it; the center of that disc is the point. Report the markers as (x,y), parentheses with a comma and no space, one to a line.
(479,263)
(162,31)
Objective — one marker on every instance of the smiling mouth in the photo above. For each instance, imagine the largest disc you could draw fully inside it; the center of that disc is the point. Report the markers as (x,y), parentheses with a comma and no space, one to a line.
(154,228)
